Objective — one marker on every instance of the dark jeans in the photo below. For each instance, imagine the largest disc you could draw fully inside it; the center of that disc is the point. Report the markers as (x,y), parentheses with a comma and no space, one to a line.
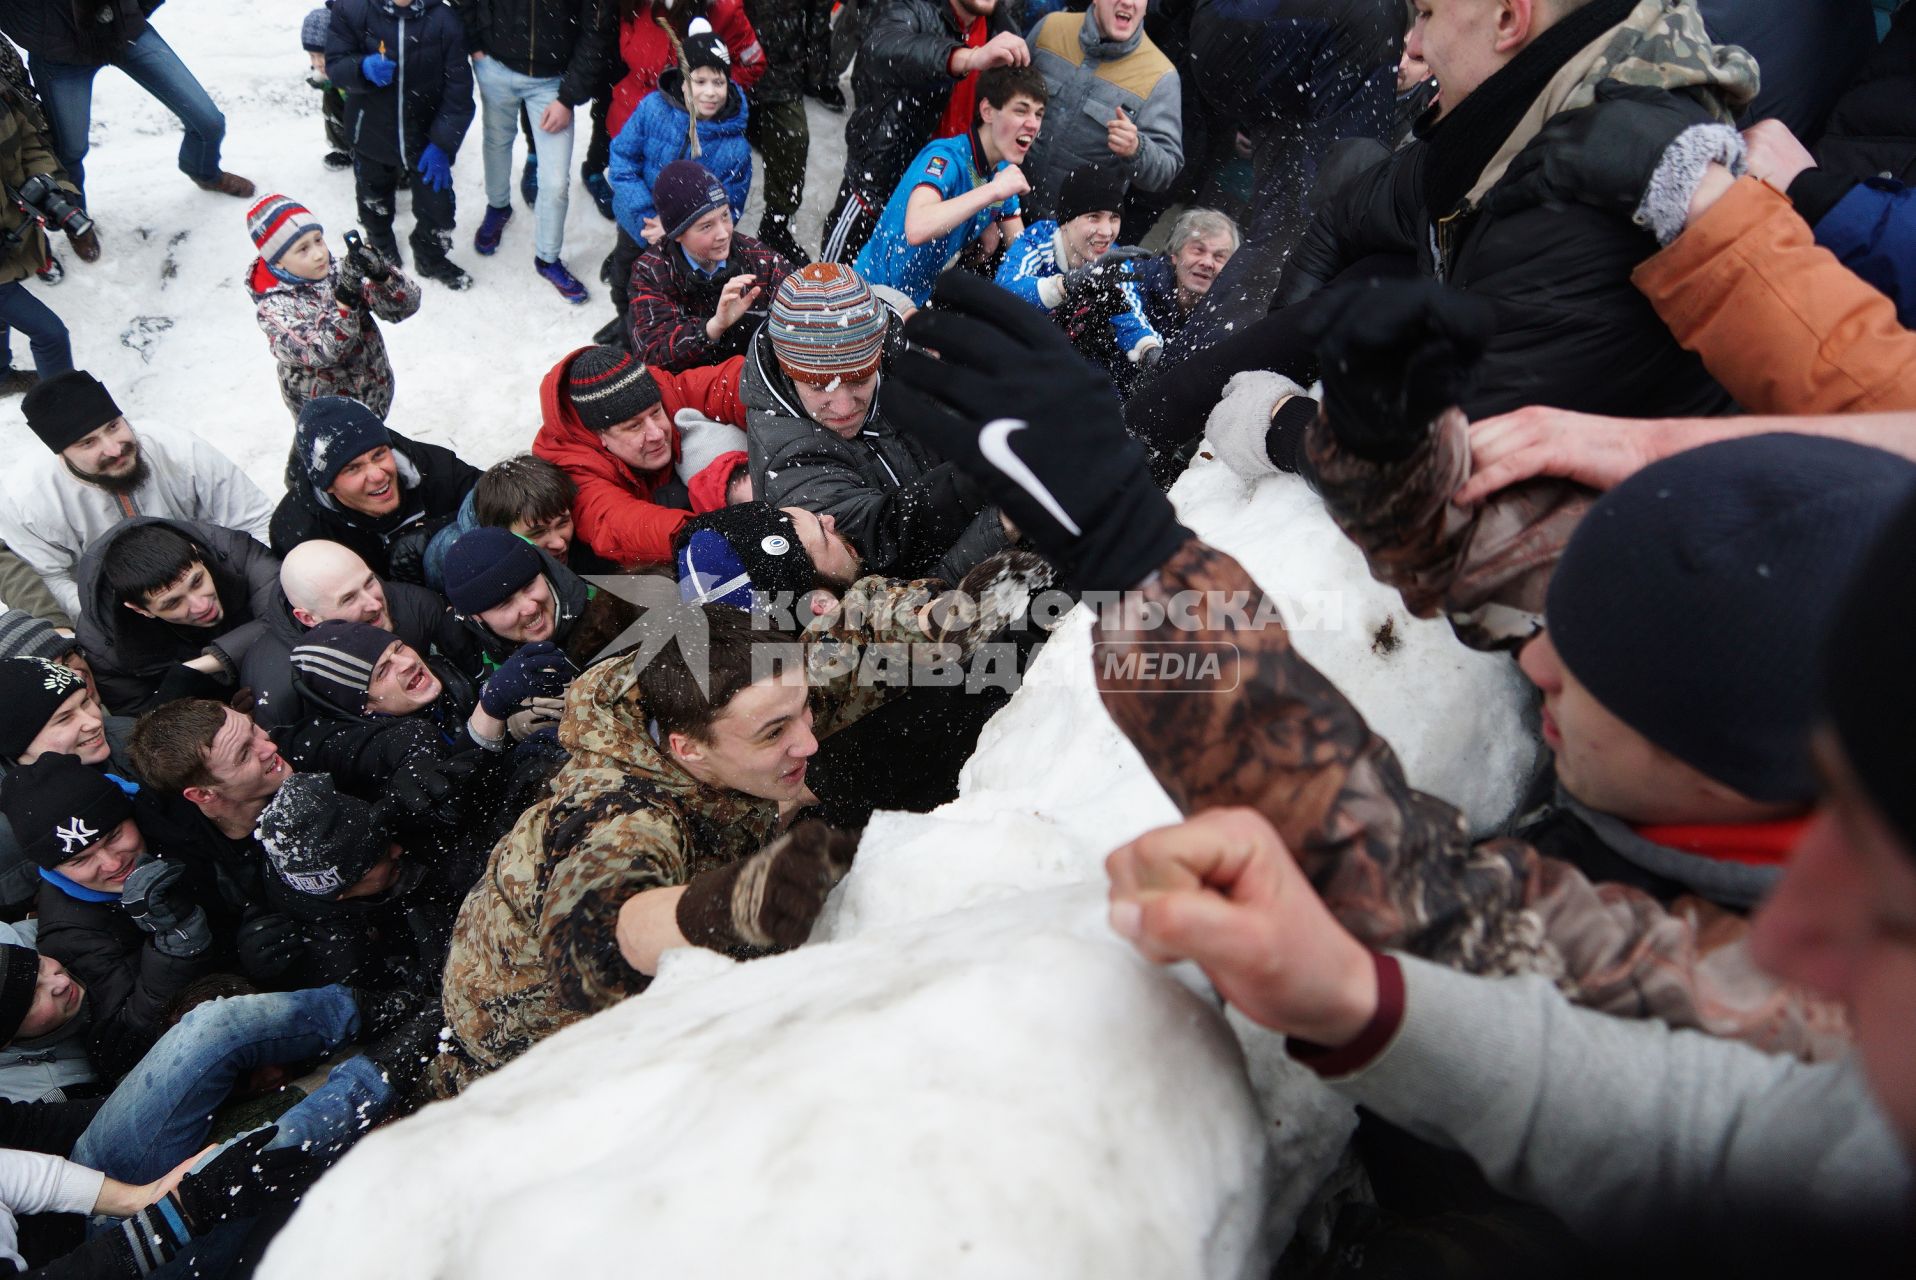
(52,353)
(783,138)
(374,186)
(67,92)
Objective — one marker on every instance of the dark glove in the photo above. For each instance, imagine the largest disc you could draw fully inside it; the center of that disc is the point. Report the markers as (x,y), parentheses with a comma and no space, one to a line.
(426,791)
(245,1180)
(378,69)
(435,166)
(538,670)
(406,552)
(769,901)
(269,946)
(349,290)
(1394,355)
(1012,403)
(1602,155)
(159,905)
(366,261)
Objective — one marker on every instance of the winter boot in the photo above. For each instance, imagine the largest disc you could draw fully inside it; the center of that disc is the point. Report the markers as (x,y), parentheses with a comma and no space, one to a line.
(529,182)
(337,160)
(17,382)
(227,184)
(491,227)
(564,281)
(54,271)
(444,270)
(778,237)
(601,192)
(829,95)
(611,333)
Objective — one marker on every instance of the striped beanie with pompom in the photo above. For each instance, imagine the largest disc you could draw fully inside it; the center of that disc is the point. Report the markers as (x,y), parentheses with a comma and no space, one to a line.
(275,223)
(826,325)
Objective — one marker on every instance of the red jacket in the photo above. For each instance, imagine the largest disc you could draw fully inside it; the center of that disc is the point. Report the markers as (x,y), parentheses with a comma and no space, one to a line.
(646,52)
(614,513)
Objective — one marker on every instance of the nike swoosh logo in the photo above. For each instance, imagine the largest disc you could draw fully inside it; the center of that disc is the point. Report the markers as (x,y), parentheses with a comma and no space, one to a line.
(994,442)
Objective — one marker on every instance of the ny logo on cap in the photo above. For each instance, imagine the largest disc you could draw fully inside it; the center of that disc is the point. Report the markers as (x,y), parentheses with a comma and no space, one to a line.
(74,836)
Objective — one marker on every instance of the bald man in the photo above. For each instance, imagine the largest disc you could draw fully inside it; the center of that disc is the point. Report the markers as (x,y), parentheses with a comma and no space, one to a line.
(323,581)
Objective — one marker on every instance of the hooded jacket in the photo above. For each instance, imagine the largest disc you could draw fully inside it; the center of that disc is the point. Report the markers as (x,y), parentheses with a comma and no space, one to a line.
(51,517)
(20,875)
(432,480)
(324,349)
(430,97)
(132,655)
(362,751)
(1558,277)
(907,513)
(587,619)
(44,1069)
(394,941)
(1091,79)
(670,303)
(644,53)
(546,39)
(615,513)
(655,136)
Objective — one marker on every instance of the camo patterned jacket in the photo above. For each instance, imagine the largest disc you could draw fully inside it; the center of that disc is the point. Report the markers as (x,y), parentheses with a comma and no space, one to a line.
(534,948)
(324,349)
(1397,866)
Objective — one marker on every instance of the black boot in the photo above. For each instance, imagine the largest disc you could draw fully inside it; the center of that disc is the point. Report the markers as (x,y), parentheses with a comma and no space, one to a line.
(405,1052)
(430,261)
(777,235)
(612,333)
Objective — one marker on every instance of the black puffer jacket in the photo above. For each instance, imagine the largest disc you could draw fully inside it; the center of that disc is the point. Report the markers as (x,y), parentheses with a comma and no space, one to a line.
(433,78)
(362,751)
(82,33)
(433,479)
(1572,331)
(1872,129)
(587,620)
(133,656)
(901,86)
(571,39)
(397,940)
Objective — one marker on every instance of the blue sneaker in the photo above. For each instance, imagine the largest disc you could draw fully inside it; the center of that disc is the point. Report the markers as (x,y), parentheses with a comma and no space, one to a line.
(564,281)
(529,182)
(601,192)
(491,227)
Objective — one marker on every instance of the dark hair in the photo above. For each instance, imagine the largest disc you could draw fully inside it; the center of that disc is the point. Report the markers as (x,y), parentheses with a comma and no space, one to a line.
(145,561)
(522,488)
(672,696)
(169,744)
(999,85)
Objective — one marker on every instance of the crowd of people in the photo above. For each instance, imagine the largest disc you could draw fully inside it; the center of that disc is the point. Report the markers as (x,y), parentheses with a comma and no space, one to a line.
(1588,320)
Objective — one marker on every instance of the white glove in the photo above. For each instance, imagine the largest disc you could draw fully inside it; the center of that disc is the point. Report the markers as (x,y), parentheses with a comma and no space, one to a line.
(1238,426)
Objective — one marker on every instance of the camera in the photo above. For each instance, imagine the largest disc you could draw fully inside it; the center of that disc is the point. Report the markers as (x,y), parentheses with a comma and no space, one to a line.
(44,197)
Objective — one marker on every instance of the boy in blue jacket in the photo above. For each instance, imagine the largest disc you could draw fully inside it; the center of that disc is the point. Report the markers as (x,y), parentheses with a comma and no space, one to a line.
(402,64)
(660,131)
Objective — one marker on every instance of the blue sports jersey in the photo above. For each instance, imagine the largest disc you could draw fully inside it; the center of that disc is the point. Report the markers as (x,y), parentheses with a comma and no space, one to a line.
(953,166)
(1033,269)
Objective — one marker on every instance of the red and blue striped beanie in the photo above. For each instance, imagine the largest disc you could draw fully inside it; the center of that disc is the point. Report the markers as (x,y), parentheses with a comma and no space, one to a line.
(275,223)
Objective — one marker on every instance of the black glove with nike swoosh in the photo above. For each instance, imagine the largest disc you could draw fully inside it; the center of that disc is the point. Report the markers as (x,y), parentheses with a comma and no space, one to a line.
(1010,401)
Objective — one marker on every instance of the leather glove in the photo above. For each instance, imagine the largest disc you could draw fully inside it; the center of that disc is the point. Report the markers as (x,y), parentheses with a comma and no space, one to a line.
(1394,355)
(159,905)
(244,1180)
(269,946)
(769,901)
(1013,404)
(426,791)
(378,69)
(406,552)
(349,290)
(1602,155)
(366,260)
(537,715)
(435,167)
(539,670)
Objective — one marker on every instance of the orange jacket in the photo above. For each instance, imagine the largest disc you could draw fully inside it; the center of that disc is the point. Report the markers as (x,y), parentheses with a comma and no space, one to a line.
(1783,325)
(614,513)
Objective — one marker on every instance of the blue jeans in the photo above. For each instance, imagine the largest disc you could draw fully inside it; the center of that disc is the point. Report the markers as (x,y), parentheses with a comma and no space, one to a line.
(52,353)
(501,90)
(67,91)
(161,1113)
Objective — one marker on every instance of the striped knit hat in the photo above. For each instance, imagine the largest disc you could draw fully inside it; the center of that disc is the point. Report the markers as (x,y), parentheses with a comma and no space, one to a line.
(826,326)
(24,636)
(275,223)
(609,385)
(335,661)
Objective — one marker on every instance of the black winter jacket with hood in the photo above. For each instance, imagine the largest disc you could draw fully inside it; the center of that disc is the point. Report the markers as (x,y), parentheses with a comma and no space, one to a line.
(135,659)
(571,39)
(430,97)
(433,480)
(587,620)
(363,751)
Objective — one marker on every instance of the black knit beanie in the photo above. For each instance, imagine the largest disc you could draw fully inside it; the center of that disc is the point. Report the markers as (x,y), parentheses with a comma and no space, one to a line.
(31,690)
(486,566)
(60,808)
(705,49)
(1092,189)
(335,661)
(1693,598)
(608,385)
(319,841)
(332,431)
(1869,683)
(19,976)
(765,541)
(67,406)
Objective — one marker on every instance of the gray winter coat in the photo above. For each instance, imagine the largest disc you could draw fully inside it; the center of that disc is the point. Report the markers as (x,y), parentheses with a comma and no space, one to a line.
(1090,79)
(909,514)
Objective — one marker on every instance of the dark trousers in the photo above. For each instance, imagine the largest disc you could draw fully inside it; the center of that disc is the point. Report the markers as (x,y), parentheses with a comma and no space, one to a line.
(624,253)
(19,309)
(783,138)
(818,42)
(375,184)
(332,108)
(598,150)
(850,224)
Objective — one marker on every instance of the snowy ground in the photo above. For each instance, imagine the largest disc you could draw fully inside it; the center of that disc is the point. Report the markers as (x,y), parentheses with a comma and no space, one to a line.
(965,1073)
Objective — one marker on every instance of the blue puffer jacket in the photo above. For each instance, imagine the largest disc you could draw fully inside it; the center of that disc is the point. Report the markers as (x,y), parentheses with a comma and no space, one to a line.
(432,77)
(1872,230)
(655,136)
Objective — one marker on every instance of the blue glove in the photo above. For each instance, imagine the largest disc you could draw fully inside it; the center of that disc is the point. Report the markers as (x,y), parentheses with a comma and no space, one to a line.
(436,167)
(536,671)
(377,68)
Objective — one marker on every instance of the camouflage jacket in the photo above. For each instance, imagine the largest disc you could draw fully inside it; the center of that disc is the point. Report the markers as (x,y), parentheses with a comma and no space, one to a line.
(324,349)
(535,948)
(1397,866)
